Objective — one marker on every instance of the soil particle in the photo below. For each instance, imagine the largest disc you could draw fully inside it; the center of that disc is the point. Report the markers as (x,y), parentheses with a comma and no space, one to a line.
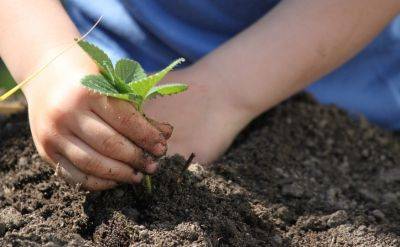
(10,219)
(379,215)
(294,190)
(337,218)
(301,175)
(324,222)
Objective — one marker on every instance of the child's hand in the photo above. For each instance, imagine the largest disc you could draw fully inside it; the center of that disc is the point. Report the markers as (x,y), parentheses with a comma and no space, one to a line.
(208,118)
(90,139)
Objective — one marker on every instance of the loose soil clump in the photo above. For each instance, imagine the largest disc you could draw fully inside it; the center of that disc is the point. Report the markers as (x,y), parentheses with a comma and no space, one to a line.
(302,174)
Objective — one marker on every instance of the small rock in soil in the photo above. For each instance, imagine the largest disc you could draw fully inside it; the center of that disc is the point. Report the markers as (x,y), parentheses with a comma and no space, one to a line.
(378,214)
(313,223)
(23,161)
(197,170)
(285,214)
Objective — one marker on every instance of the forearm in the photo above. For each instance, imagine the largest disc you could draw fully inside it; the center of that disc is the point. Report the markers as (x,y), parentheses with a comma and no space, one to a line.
(31,32)
(292,46)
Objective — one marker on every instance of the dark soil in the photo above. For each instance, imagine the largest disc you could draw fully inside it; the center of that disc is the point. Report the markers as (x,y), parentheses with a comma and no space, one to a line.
(301,175)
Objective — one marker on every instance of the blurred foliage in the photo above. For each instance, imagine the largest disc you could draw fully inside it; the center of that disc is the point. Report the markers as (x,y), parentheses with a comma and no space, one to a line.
(6,80)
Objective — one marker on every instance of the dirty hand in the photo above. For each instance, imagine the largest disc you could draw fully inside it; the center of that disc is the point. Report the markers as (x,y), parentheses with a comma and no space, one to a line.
(90,139)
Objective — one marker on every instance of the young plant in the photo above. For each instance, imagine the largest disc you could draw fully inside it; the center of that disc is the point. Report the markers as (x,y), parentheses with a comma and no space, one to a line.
(127,81)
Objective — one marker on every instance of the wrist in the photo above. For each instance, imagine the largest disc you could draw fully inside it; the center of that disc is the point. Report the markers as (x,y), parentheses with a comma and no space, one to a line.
(224,106)
(227,93)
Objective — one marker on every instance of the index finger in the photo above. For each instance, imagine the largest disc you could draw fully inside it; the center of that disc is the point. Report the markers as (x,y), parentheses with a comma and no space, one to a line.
(125,119)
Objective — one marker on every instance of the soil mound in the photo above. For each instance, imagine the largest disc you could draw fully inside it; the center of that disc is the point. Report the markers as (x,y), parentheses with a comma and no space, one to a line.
(301,175)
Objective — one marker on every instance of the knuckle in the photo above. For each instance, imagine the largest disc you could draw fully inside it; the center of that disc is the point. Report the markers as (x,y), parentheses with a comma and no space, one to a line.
(112,145)
(128,119)
(136,157)
(149,138)
(90,164)
(44,154)
(137,154)
(155,143)
(89,186)
(80,95)
(46,141)
(156,136)
(95,167)
(58,116)
(61,106)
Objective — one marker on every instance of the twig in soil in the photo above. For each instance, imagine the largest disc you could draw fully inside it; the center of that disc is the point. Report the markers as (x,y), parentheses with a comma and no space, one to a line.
(186,166)
(188,162)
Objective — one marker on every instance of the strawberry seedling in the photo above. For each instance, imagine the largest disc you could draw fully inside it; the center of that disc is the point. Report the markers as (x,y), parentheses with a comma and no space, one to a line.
(127,81)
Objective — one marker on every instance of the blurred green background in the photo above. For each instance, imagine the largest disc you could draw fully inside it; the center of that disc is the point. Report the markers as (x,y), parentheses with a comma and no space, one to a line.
(6,81)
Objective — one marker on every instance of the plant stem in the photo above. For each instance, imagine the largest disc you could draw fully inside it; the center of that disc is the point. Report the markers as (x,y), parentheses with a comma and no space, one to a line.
(147,178)
(148,184)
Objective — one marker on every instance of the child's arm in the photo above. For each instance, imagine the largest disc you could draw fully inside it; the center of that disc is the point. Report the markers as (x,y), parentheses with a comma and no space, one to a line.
(95,141)
(293,45)
(290,47)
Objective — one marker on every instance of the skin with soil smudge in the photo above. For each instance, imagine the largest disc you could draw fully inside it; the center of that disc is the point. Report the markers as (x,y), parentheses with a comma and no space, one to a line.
(301,175)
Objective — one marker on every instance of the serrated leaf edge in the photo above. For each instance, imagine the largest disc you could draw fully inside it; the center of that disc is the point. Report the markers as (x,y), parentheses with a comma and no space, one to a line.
(161,73)
(150,96)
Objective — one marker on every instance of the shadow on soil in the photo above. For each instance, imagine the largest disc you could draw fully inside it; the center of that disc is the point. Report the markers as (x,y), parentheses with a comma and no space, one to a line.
(201,208)
(301,175)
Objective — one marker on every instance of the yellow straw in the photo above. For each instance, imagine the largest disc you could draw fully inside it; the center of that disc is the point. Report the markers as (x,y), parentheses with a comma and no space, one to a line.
(36,73)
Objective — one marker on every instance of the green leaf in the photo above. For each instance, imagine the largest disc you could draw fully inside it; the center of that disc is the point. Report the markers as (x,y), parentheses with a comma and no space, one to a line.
(99,56)
(129,70)
(143,86)
(166,89)
(105,65)
(101,85)
(120,85)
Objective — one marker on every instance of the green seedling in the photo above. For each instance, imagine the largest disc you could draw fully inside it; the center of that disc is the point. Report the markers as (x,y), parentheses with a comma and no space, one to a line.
(128,81)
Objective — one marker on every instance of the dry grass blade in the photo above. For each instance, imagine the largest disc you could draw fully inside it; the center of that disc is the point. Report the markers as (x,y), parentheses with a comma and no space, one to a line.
(43,67)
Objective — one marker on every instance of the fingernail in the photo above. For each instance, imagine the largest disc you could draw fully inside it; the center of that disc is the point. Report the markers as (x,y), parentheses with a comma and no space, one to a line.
(168,129)
(163,141)
(151,168)
(160,149)
(137,177)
